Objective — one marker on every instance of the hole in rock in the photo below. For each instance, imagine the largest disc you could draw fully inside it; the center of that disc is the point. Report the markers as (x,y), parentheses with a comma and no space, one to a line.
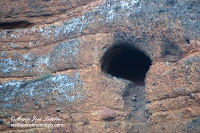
(126,62)
(15,25)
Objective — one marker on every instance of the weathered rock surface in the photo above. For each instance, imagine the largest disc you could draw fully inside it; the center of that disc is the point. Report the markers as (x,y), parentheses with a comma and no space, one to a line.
(50,58)
(107,114)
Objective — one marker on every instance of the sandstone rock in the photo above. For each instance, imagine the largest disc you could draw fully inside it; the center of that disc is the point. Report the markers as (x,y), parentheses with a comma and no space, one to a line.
(51,55)
(107,114)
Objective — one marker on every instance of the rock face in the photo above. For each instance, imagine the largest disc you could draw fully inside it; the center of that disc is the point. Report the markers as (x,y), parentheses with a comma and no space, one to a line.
(51,54)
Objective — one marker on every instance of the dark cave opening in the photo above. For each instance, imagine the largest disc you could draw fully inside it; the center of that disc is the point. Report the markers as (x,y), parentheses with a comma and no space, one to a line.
(127,62)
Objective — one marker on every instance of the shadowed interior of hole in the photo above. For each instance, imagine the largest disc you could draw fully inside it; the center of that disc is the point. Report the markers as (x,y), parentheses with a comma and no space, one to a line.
(126,62)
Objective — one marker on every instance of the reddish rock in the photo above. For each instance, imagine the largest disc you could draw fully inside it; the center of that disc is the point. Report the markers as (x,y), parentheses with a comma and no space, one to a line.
(51,53)
(107,114)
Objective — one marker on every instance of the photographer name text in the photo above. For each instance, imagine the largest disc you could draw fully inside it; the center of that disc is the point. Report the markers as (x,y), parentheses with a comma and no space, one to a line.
(35,119)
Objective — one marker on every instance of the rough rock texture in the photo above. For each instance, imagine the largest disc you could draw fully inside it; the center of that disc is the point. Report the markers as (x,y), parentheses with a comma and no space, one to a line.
(50,52)
(107,114)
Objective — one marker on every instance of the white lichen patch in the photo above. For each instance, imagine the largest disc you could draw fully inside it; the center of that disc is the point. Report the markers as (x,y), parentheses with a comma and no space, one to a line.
(67,48)
(13,45)
(107,12)
(3,34)
(3,54)
(63,88)
(46,31)
(64,53)
(70,26)
(44,59)
(9,65)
